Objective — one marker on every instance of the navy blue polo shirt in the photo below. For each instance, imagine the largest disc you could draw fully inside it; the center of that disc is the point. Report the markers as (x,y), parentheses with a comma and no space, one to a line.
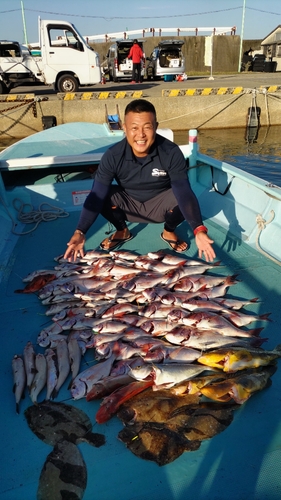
(145,177)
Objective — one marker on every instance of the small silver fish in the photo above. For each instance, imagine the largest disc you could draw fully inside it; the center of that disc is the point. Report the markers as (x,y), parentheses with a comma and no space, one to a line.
(152,265)
(43,336)
(85,380)
(123,255)
(61,306)
(63,365)
(141,282)
(75,356)
(118,310)
(40,378)
(52,376)
(216,291)
(19,379)
(176,274)
(235,304)
(158,310)
(156,326)
(207,339)
(172,354)
(201,304)
(62,297)
(29,363)
(166,376)
(238,318)
(208,320)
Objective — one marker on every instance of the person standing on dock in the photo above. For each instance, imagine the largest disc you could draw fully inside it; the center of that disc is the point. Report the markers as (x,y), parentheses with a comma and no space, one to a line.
(137,55)
(152,186)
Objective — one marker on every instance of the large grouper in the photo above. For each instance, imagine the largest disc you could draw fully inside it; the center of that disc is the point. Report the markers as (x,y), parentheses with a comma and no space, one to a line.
(64,473)
(53,422)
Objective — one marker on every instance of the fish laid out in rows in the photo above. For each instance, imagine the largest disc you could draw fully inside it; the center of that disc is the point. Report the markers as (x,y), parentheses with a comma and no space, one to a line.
(160,333)
(37,371)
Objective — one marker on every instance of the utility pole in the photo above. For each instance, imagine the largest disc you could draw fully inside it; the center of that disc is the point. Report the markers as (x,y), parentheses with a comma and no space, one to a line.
(242,36)
(24,25)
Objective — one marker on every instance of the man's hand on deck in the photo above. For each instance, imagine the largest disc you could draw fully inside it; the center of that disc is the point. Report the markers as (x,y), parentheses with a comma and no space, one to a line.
(75,247)
(204,244)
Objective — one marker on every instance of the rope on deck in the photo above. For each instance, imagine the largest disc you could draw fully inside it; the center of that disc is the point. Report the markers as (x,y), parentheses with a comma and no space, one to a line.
(261,226)
(32,216)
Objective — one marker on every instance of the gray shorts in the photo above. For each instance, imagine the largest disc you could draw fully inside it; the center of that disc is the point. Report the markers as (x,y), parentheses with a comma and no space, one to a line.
(153,210)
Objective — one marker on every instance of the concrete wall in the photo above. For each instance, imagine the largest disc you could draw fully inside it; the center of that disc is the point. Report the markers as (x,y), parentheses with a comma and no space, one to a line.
(225,51)
(178,113)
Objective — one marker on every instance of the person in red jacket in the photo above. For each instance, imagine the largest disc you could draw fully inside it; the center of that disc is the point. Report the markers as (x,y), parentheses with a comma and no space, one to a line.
(137,55)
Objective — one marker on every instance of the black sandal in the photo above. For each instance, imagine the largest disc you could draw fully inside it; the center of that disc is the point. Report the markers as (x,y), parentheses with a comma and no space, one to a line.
(175,243)
(116,241)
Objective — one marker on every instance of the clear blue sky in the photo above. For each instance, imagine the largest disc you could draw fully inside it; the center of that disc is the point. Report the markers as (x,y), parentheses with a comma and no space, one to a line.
(93,17)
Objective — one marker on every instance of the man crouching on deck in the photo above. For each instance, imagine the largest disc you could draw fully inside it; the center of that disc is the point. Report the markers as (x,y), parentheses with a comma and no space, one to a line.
(152,186)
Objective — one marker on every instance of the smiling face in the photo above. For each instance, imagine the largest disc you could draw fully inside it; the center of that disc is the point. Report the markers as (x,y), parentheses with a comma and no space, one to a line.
(140,130)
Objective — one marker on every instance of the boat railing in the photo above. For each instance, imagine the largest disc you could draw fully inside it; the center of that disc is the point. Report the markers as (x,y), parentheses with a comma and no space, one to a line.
(197,159)
(49,161)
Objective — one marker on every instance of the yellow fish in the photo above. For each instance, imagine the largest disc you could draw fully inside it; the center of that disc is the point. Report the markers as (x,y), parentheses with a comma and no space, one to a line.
(235,358)
(240,387)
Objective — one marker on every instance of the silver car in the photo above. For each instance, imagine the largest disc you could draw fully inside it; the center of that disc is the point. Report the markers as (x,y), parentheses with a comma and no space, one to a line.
(119,66)
(166,59)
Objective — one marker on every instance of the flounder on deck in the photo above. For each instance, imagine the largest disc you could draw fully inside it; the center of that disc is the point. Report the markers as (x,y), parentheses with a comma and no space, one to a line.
(64,474)
(160,426)
(53,422)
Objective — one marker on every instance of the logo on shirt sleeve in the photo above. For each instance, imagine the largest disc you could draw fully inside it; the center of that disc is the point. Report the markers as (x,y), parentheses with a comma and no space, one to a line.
(158,173)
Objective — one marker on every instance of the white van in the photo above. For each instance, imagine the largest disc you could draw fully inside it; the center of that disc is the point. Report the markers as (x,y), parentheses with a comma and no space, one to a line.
(119,66)
(166,59)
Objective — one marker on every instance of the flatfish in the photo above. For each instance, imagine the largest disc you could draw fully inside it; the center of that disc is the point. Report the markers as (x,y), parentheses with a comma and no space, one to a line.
(155,442)
(161,426)
(53,422)
(64,474)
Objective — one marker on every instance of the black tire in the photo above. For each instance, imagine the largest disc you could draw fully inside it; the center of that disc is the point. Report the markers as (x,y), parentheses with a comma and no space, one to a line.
(67,83)
(3,88)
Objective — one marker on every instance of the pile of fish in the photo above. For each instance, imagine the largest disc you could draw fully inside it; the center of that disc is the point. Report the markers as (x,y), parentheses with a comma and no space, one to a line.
(164,337)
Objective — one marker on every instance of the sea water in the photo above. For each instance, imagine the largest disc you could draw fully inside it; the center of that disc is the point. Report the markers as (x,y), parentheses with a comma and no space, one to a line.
(255,151)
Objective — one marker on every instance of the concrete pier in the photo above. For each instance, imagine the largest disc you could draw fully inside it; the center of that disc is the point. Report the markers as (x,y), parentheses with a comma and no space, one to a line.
(198,103)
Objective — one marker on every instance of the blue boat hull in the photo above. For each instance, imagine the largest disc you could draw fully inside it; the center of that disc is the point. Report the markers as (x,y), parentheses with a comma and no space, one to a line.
(243,462)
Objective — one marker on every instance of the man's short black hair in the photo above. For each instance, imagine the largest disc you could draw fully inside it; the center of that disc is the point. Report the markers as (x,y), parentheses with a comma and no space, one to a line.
(140,106)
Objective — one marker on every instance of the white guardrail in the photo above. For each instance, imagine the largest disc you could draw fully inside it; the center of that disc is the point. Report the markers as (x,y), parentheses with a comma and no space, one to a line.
(107,37)
(160,31)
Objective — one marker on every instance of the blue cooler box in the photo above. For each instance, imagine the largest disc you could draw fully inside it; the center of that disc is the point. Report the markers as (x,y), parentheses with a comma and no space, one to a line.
(168,78)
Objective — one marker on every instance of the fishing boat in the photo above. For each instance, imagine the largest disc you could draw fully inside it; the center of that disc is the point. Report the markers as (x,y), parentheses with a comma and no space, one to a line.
(243,216)
(79,143)
(75,147)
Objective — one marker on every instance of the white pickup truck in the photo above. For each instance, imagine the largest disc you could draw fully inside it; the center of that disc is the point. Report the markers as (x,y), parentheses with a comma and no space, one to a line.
(65,60)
